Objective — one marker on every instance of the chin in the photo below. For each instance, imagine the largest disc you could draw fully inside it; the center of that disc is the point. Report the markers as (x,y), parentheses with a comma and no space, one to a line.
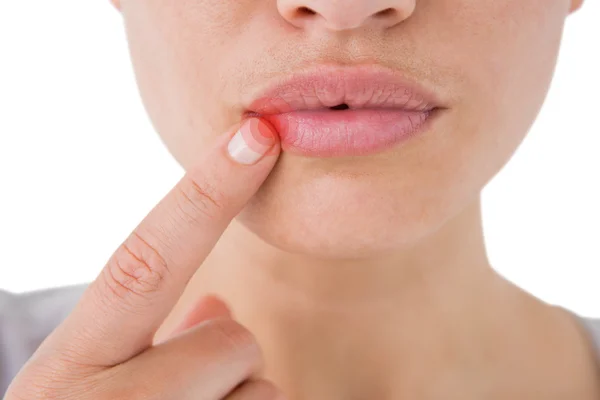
(346,210)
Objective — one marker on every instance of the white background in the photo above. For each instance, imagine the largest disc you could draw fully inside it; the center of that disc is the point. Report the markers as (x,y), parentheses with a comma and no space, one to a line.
(80,164)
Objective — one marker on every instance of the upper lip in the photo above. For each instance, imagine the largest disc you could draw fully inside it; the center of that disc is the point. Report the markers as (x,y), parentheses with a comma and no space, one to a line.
(357,87)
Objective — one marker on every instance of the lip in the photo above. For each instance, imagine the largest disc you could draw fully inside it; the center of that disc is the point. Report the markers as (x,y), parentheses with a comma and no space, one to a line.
(384,108)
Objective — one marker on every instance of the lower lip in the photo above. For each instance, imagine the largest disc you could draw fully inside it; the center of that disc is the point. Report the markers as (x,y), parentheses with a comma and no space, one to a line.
(330,133)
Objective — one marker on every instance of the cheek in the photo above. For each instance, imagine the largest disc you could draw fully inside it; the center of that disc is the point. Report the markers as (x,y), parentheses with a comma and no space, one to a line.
(507,51)
(177,52)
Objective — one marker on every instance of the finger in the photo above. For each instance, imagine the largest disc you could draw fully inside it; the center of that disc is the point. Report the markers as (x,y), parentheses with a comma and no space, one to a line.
(121,310)
(208,307)
(256,390)
(206,362)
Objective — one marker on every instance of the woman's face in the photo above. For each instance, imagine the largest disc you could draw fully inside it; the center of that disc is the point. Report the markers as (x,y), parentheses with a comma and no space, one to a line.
(490,61)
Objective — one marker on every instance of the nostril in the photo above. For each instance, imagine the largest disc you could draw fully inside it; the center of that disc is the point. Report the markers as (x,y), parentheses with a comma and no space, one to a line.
(388,12)
(305,11)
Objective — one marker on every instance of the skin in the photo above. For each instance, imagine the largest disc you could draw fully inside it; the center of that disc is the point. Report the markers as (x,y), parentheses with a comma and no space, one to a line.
(360,276)
(418,267)
(104,349)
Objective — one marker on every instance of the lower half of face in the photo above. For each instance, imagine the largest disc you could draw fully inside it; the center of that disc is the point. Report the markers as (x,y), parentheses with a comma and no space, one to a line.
(491,61)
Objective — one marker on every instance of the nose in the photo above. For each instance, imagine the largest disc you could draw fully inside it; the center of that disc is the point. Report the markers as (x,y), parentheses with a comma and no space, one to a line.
(340,15)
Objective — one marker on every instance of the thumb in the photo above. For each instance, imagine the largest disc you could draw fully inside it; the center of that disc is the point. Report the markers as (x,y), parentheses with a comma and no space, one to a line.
(206,308)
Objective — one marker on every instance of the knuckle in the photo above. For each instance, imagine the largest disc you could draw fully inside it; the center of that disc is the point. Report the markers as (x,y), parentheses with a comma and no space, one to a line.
(135,269)
(199,200)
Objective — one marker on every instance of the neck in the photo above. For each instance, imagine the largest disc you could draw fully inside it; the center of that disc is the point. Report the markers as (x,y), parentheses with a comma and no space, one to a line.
(312,317)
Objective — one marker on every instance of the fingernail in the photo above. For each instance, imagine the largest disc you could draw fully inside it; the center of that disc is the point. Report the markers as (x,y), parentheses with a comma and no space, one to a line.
(252,141)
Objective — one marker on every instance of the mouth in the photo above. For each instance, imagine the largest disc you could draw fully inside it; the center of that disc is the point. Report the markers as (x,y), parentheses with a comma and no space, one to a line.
(330,111)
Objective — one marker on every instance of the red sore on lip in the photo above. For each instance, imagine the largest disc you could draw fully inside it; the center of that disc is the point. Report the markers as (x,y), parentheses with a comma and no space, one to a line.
(265,108)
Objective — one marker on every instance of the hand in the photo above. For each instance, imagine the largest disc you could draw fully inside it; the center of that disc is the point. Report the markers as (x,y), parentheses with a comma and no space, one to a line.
(104,350)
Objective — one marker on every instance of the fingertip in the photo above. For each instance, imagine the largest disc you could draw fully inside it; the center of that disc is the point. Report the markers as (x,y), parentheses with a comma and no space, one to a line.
(268,132)
(216,305)
(254,139)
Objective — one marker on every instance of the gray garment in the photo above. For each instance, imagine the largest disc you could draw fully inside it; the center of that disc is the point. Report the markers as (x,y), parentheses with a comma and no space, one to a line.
(26,319)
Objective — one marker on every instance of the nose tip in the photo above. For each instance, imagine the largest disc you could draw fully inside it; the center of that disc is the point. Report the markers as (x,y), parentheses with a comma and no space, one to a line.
(340,15)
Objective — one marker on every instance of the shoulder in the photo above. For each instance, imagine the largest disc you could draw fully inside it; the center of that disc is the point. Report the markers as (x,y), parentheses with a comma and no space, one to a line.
(26,320)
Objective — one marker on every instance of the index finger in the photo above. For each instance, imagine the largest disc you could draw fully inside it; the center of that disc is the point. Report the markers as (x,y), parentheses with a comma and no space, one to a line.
(121,310)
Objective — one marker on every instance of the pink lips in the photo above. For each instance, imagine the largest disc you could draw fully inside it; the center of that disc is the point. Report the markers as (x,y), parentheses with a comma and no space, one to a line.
(375,109)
